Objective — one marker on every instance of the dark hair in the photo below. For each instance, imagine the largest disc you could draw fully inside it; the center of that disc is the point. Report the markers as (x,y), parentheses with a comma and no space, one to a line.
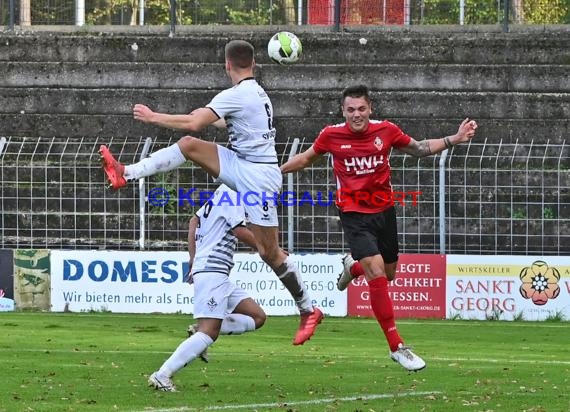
(240,53)
(356,91)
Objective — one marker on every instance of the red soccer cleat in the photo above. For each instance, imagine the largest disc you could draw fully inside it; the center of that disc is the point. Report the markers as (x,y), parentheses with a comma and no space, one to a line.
(309,322)
(112,168)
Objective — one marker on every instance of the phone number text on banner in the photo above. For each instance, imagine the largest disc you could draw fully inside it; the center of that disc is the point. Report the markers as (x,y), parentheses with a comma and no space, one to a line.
(319,273)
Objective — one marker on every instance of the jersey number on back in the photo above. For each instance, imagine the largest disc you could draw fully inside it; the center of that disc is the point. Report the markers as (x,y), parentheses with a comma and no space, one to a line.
(269,116)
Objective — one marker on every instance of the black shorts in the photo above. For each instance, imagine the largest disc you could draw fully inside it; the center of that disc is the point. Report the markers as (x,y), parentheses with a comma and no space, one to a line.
(371,234)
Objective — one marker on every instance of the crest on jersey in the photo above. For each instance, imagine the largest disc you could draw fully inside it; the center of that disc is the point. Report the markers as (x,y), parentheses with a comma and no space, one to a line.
(212,304)
(378,143)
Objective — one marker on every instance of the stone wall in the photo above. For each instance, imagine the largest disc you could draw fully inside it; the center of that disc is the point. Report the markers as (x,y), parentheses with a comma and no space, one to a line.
(64,83)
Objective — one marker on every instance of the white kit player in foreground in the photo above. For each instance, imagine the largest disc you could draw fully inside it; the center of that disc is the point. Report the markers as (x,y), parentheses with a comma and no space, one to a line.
(250,167)
(220,306)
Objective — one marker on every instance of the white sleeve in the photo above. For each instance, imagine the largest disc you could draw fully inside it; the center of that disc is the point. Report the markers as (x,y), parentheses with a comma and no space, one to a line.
(226,102)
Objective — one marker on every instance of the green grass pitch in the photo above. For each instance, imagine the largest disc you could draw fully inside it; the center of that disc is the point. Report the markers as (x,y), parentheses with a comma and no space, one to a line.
(101,361)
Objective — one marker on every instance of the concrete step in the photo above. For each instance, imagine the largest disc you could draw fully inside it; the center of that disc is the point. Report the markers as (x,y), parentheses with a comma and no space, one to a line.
(103,128)
(300,77)
(398,104)
(466,44)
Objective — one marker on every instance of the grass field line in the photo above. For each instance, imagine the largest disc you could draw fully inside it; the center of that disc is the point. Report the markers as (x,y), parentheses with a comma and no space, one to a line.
(335,319)
(295,403)
(461,323)
(483,360)
(288,355)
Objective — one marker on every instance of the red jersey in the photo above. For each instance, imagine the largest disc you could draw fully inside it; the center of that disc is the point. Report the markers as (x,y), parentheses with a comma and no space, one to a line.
(361,165)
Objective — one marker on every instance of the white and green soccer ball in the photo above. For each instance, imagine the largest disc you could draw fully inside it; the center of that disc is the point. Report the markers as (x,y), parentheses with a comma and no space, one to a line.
(284,48)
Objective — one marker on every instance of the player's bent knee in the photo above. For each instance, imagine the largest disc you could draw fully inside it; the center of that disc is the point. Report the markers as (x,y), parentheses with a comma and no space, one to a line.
(187,144)
(259,319)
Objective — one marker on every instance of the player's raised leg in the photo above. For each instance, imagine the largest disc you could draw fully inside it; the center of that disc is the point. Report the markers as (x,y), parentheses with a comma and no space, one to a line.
(203,153)
(114,170)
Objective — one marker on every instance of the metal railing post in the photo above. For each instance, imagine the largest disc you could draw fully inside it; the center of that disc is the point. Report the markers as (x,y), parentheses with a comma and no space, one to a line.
(337,15)
(172,18)
(80,12)
(290,215)
(11,12)
(442,225)
(2,143)
(141,12)
(506,16)
(142,196)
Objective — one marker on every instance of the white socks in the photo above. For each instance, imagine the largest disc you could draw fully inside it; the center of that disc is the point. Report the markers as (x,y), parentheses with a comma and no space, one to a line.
(191,348)
(236,324)
(185,353)
(289,275)
(162,160)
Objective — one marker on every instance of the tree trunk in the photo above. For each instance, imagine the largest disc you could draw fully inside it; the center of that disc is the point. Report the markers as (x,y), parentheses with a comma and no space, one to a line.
(290,11)
(25,13)
(518,11)
(134,12)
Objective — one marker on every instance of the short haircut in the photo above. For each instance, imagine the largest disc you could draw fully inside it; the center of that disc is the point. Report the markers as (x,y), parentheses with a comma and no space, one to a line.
(240,53)
(356,91)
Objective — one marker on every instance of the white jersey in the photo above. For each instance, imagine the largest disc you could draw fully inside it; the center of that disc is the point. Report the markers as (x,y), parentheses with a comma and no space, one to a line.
(215,242)
(248,113)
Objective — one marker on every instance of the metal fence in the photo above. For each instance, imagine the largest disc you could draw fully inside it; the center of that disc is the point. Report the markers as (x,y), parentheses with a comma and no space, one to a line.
(282,12)
(497,199)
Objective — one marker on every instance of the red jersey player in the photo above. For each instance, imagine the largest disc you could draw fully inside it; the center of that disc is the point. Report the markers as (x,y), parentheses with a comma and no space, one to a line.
(360,148)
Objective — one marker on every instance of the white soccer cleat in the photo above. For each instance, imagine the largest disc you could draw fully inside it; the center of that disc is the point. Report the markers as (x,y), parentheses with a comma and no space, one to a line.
(344,278)
(408,359)
(192,329)
(161,383)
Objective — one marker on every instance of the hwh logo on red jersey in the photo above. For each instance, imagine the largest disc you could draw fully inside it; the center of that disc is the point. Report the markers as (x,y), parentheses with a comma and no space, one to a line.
(363,163)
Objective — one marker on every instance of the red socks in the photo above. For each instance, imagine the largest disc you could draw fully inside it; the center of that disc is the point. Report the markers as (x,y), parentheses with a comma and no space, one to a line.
(383,310)
(356,270)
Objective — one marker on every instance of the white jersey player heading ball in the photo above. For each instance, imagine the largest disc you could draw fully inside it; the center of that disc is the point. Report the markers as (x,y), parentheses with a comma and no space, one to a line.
(250,166)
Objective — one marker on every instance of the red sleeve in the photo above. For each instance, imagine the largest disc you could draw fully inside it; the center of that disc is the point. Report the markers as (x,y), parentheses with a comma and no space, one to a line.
(397,136)
(320,144)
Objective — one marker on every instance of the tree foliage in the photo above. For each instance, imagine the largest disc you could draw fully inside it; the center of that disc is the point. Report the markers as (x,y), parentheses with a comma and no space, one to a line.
(157,12)
(258,16)
(545,11)
(277,12)
(488,11)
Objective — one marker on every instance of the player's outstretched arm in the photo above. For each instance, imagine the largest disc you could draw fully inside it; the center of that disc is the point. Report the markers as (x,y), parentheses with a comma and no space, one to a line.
(428,147)
(195,121)
(300,161)
(220,124)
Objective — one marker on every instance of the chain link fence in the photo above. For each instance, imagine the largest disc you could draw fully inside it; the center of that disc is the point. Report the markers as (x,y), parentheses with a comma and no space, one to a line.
(498,199)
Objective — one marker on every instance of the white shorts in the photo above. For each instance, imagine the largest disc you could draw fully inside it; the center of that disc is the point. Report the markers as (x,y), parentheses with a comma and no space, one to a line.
(215,295)
(258,186)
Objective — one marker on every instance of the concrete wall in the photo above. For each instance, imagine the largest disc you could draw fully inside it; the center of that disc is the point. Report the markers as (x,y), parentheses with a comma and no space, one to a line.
(72,84)
(65,83)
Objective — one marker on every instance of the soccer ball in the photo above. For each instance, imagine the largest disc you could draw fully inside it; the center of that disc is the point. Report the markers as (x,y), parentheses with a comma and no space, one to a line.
(284,48)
